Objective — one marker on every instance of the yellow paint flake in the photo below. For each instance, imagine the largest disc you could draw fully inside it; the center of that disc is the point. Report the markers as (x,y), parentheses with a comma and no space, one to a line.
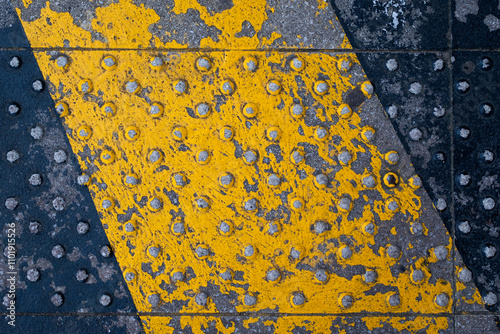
(27,3)
(322,4)
(467,292)
(345,43)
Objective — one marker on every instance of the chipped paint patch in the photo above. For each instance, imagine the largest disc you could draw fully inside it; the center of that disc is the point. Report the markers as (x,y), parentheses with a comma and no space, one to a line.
(140,24)
(292,324)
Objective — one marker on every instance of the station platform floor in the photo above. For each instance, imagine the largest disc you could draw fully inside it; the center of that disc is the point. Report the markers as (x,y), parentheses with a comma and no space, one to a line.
(265,166)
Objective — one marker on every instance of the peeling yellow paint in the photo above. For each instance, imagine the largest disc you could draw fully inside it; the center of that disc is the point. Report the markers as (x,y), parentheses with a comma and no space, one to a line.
(431,325)
(27,3)
(467,292)
(345,43)
(475,299)
(116,157)
(290,324)
(126,25)
(162,138)
(109,22)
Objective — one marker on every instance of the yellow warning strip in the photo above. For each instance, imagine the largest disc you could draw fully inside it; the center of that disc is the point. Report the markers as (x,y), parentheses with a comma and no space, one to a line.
(156,133)
(137,154)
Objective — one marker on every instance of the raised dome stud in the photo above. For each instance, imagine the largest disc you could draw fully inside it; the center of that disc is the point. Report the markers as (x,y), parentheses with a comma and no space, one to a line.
(442,300)
(391,179)
(203,110)
(227,87)
(298,64)
(273,133)
(155,62)
(107,203)
(297,204)
(179,133)
(85,86)
(84,132)
(180,86)
(297,157)
(178,227)
(250,157)
(108,109)
(203,64)
(297,110)
(155,157)
(297,299)
(249,300)
(156,109)
(344,111)
(321,181)
(226,180)
(107,156)
(203,157)
(321,87)
(393,299)
(250,63)
(202,203)
(202,251)
(132,133)
(273,87)
(321,134)
(250,204)
(367,89)
(225,227)
(273,275)
(108,63)
(155,204)
(250,110)
(201,299)
(321,275)
(345,301)
(62,62)
(226,133)
(344,64)
(250,251)
(132,86)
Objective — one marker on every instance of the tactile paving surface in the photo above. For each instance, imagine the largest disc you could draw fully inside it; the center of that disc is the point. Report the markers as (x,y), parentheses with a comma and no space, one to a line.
(476,24)
(256,183)
(53,243)
(476,151)
(267,270)
(223,176)
(414,89)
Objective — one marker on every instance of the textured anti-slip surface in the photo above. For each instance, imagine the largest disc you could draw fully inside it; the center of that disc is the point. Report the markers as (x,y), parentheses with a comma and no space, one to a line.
(231,167)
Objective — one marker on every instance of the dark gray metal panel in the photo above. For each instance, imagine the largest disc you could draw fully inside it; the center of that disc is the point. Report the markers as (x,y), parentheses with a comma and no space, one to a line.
(61,262)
